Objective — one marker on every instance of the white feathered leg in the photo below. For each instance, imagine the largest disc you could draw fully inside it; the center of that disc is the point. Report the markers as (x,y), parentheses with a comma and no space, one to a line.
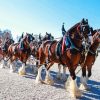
(48,78)
(59,72)
(83,85)
(12,67)
(38,77)
(8,63)
(64,78)
(2,65)
(35,71)
(73,89)
(21,70)
(35,67)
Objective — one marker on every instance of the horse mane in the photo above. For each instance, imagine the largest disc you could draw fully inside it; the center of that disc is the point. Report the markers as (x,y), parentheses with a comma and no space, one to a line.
(95,34)
(73,28)
(94,31)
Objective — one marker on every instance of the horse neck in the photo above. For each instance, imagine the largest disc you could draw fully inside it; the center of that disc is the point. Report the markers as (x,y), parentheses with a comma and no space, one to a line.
(26,45)
(73,27)
(76,39)
(95,45)
(77,42)
(73,31)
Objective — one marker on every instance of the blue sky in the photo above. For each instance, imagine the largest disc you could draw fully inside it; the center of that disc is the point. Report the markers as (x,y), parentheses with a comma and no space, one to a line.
(40,16)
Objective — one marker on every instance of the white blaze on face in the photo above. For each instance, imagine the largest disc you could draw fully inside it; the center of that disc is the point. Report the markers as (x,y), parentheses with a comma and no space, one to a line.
(91,39)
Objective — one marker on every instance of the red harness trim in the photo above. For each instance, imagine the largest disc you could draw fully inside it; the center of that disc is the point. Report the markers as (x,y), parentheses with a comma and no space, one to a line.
(63,44)
(78,27)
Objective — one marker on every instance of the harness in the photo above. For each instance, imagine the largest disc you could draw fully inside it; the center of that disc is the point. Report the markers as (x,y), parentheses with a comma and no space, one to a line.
(58,49)
(92,52)
(72,46)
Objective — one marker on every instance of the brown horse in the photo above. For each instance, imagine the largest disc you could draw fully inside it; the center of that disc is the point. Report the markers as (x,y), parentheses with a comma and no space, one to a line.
(90,59)
(35,47)
(22,54)
(4,51)
(69,57)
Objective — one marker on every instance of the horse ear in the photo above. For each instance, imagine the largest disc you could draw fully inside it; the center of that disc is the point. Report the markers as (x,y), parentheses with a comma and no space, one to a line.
(83,20)
(87,20)
(91,29)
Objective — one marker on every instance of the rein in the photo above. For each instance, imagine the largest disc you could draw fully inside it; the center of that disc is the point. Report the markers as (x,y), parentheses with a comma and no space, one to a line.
(86,52)
(83,62)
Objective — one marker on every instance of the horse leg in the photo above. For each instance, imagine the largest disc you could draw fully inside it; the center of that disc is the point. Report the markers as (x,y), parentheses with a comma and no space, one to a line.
(83,79)
(12,66)
(89,74)
(35,68)
(8,64)
(64,78)
(38,77)
(74,90)
(59,72)
(21,70)
(2,65)
(48,78)
(89,71)
(40,62)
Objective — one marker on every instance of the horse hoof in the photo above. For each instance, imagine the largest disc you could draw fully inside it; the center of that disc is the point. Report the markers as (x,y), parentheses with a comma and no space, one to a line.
(38,82)
(87,88)
(64,79)
(35,73)
(84,87)
(78,94)
(22,73)
(1,66)
(58,78)
(49,82)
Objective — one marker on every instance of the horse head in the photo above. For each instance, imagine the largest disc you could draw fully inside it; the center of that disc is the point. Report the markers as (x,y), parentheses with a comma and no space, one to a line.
(6,45)
(79,32)
(48,36)
(10,41)
(34,48)
(83,28)
(96,41)
(21,37)
(29,37)
(96,35)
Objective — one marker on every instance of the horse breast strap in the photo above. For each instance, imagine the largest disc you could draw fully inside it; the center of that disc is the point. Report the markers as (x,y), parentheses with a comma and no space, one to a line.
(78,27)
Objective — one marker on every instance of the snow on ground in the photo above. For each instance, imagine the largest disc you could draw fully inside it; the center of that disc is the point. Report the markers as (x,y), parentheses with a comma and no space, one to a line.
(15,87)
